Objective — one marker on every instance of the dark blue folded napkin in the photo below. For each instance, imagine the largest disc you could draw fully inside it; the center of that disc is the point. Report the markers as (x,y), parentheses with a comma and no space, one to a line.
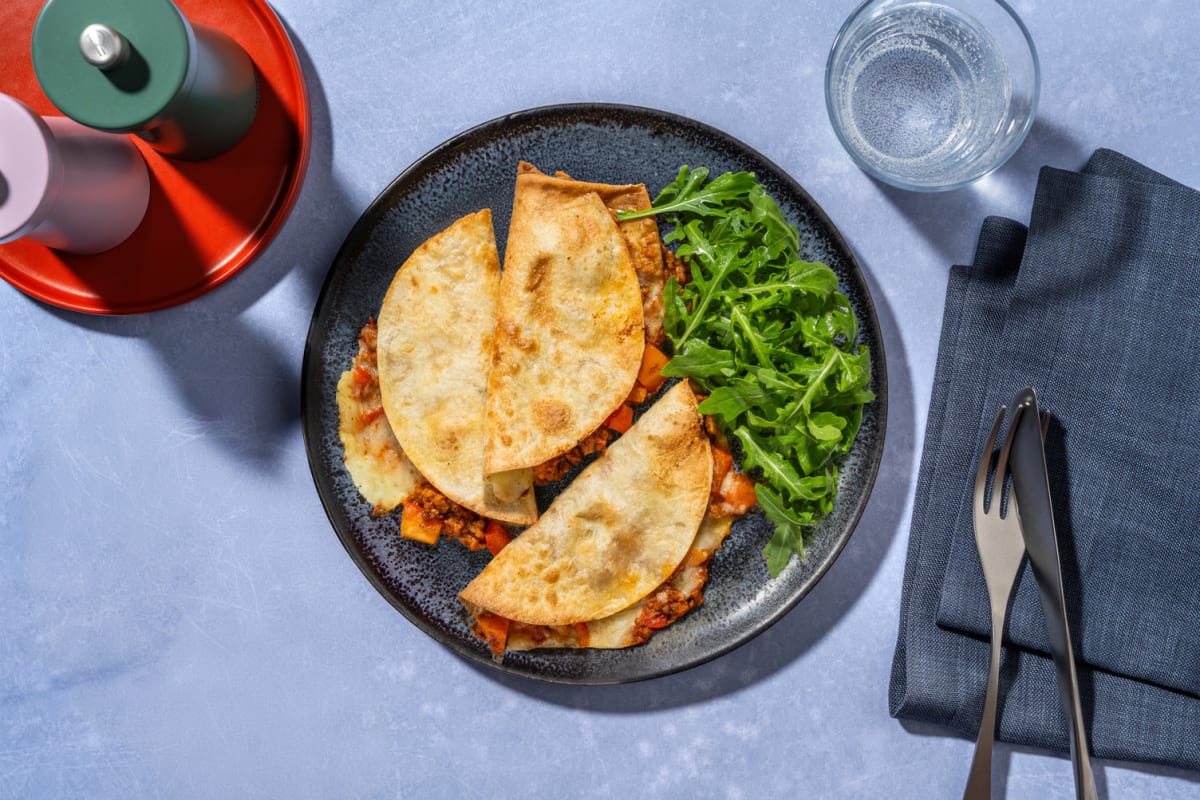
(1095,306)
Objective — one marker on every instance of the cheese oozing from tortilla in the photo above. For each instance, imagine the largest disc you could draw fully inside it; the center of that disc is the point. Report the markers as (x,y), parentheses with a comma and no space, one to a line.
(380,470)
(569,331)
(436,329)
(619,530)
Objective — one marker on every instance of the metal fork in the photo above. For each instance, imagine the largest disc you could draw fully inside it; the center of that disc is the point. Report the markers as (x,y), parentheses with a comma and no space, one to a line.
(1001,550)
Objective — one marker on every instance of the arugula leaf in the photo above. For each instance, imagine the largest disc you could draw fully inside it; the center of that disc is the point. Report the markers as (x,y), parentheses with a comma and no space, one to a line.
(770,338)
(826,426)
(701,359)
(789,531)
(688,192)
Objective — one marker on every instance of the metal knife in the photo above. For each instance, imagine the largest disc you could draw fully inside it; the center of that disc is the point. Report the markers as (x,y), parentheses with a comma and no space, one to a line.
(1031,484)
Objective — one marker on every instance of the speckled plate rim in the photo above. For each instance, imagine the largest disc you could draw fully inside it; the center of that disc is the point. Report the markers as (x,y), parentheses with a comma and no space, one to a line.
(590,667)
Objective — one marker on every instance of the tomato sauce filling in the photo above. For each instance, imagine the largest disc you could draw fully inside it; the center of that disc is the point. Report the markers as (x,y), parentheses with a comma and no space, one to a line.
(365,386)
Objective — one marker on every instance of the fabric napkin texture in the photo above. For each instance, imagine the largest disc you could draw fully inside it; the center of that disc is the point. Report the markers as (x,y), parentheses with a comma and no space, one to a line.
(1097,306)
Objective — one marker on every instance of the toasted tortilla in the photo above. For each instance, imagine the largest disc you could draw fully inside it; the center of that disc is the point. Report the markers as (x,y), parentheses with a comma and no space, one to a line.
(569,336)
(645,245)
(435,347)
(619,530)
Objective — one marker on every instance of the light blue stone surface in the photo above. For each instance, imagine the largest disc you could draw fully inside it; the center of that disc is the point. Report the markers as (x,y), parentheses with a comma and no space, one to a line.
(177,617)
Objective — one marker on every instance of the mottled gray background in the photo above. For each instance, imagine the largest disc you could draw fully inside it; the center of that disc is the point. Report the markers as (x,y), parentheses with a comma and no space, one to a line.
(177,617)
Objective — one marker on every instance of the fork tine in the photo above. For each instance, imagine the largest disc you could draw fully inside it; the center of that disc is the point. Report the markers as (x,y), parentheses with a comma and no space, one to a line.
(1002,464)
(985,461)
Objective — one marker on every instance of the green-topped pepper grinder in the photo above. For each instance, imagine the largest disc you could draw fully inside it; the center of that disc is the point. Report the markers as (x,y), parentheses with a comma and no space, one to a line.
(139,66)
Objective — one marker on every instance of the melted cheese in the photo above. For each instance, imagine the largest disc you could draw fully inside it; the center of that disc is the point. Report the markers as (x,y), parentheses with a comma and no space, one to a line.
(377,465)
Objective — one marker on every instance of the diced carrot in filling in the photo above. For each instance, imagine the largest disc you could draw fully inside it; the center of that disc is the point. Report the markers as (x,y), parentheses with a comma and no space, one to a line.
(493,630)
(415,525)
(621,419)
(496,537)
(650,372)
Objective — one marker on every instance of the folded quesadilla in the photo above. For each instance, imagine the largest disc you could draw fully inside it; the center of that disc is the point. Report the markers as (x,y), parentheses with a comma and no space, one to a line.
(569,335)
(435,348)
(383,473)
(629,627)
(617,532)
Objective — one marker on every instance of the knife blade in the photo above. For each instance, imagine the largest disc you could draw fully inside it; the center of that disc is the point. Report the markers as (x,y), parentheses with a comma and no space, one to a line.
(1031,483)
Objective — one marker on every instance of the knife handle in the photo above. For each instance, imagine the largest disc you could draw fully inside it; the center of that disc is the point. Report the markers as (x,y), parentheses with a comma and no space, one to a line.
(1081,760)
(1029,459)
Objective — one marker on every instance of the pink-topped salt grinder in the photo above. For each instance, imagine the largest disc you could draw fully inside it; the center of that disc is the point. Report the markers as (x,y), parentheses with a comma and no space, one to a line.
(68,186)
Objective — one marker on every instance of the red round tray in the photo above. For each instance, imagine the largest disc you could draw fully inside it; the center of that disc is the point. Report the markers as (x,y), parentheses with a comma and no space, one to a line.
(206,219)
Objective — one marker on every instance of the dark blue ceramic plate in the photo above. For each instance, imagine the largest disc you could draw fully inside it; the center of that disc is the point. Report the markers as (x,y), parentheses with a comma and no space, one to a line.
(476,169)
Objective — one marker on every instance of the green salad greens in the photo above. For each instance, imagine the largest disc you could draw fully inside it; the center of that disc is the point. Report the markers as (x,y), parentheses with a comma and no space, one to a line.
(770,339)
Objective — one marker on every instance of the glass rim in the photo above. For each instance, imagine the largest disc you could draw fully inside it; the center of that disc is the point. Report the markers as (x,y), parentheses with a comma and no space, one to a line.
(991,166)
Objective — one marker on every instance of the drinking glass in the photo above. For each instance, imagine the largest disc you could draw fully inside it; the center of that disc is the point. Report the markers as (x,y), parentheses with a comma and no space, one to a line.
(930,96)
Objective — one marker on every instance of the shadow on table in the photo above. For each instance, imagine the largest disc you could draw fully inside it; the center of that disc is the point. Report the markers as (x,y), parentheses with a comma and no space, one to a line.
(233,374)
(950,220)
(817,614)
(1002,758)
